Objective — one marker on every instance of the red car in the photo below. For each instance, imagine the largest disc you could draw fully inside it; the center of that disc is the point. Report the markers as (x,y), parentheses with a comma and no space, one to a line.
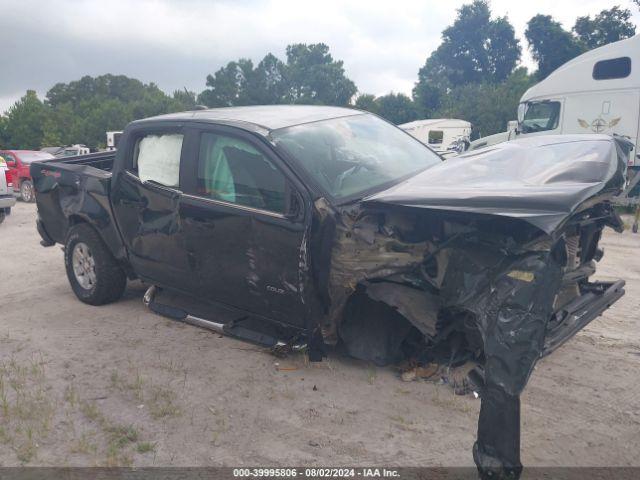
(18,162)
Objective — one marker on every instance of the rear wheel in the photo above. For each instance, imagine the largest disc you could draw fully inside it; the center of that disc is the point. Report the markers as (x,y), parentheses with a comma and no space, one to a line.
(94,275)
(26,191)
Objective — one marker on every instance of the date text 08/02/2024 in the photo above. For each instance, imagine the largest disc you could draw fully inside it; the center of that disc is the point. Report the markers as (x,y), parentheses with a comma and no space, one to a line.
(315,472)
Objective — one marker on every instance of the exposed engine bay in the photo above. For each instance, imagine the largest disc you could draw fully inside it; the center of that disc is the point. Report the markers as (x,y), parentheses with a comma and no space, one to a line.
(499,285)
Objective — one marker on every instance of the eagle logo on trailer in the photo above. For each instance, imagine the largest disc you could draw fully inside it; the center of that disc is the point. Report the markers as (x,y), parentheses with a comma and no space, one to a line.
(599,125)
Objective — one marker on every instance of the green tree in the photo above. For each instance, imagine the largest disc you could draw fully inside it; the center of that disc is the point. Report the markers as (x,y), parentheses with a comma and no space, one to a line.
(3,132)
(24,126)
(551,46)
(475,49)
(397,108)
(606,27)
(58,126)
(487,106)
(310,75)
(229,85)
(269,81)
(314,77)
(82,111)
(367,102)
(184,100)
(428,97)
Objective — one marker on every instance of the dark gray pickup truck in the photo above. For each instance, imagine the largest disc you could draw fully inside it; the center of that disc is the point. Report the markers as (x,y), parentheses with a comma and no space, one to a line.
(318,226)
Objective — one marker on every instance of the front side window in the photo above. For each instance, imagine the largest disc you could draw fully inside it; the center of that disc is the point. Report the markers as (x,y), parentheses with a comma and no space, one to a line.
(351,155)
(435,137)
(232,170)
(157,158)
(613,68)
(540,116)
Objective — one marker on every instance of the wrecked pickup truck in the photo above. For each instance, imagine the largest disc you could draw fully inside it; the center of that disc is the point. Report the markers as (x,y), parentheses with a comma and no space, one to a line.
(319,226)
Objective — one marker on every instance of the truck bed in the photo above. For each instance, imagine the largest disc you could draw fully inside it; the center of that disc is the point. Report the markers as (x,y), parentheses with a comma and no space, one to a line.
(100,160)
(74,190)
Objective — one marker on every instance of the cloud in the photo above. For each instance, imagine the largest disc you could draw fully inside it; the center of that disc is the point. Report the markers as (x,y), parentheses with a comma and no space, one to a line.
(177,43)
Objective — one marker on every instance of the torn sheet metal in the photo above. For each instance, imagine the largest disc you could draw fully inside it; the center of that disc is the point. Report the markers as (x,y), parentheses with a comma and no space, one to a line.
(542,180)
(478,254)
(419,307)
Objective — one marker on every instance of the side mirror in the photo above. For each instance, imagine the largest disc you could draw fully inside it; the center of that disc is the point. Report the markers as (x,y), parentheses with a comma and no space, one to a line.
(11,163)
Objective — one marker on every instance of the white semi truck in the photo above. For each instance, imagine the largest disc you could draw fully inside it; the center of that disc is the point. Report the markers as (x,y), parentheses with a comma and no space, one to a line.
(596,92)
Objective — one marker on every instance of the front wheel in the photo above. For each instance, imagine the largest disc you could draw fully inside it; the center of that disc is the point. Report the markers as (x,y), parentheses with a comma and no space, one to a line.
(94,275)
(26,191)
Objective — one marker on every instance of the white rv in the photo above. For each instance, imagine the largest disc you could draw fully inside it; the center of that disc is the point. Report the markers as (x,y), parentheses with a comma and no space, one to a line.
(447,136)
(596,92)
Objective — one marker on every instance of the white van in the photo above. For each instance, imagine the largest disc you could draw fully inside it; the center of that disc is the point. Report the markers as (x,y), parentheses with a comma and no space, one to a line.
(447,136)
(596,92)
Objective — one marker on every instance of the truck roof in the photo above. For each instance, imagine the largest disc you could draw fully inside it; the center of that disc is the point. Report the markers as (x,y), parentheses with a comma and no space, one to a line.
(577,74)
(260,118)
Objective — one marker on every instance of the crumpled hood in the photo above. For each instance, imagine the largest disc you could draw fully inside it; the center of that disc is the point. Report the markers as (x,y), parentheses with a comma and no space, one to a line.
(542,180)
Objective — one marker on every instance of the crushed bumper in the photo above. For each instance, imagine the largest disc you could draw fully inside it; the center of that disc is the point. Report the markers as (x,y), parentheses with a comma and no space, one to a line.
(580,312)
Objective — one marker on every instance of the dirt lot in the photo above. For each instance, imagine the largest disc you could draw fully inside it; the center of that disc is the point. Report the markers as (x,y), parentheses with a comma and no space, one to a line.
(118,385)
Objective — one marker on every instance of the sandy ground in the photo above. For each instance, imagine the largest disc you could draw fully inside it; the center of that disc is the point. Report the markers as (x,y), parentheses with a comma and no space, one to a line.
(118,385)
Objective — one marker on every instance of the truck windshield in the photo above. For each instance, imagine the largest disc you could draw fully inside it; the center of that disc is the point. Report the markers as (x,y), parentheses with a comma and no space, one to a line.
(351,155)
(540,116)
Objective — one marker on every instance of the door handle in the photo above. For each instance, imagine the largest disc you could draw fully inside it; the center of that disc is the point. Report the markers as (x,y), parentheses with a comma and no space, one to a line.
(203,222)
(133,203)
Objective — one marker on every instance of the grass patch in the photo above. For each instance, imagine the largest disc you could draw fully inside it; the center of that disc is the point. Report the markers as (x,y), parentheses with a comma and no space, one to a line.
(122,435)
(145,447)
(133,386)
(162,402)
(26,405)
(120,438)
(71,395)
(84,444)
(90,410)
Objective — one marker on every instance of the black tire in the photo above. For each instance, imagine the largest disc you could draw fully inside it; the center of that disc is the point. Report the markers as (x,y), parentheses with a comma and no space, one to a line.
(27,193)
(2,215)
(109,279)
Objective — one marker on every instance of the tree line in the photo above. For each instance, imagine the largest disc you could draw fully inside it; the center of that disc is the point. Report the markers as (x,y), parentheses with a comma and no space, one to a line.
(474,74)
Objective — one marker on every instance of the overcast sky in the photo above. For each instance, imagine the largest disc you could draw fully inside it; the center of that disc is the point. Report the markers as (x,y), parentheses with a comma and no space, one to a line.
(176,43)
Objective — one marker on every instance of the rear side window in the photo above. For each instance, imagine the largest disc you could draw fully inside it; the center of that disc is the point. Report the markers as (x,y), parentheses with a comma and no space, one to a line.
(232,170)
(435,137)
(157,158)
(613,68)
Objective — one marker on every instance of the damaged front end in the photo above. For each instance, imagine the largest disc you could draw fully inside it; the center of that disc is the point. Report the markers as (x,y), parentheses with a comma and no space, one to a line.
(486,259)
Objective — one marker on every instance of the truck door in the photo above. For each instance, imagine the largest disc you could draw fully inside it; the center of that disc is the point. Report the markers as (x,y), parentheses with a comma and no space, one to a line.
(243,232)
(146,200)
